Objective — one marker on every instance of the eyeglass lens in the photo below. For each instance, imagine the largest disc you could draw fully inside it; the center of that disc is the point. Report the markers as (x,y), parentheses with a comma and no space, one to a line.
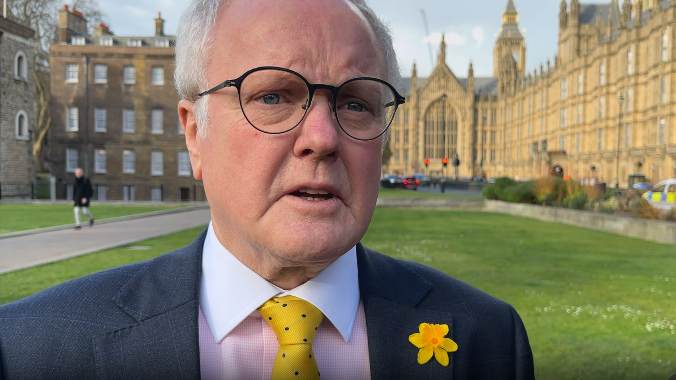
(274,101)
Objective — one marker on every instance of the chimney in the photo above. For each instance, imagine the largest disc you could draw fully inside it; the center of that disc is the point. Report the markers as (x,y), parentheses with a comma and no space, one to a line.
(159,25)
(102,30)
(70,22)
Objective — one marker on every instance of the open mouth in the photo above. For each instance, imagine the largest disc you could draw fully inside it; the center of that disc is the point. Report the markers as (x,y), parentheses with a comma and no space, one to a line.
(312,194)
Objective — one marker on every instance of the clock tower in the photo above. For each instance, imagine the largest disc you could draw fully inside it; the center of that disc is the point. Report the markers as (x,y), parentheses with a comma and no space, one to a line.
(510,42)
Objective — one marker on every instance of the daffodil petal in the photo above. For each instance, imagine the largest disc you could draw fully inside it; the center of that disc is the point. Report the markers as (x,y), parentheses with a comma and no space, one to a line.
(417,340)
(425,354)
(449,345)
(422,327)
(441,356)
(444,330)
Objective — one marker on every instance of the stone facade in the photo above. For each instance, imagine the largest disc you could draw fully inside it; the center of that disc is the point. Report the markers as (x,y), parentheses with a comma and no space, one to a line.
(604,107)
(98,81)
(17,89)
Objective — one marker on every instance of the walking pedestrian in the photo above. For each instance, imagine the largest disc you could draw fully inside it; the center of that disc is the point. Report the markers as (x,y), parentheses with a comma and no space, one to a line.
(82,192)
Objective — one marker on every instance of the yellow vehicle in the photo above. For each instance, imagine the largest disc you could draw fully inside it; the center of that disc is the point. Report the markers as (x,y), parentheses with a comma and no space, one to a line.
(663,195)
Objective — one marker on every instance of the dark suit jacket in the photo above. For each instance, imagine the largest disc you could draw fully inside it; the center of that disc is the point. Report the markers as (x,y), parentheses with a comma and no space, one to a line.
(140,322)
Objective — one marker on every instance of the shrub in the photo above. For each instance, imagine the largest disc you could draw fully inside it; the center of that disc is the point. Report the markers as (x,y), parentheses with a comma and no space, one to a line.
(521,192)
(488,192)
(645,210)
(577,201)
(550,190)
(671,215)
(608,206)
(501,184)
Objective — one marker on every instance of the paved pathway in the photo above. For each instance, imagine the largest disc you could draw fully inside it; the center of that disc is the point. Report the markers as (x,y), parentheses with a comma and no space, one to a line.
(20,252)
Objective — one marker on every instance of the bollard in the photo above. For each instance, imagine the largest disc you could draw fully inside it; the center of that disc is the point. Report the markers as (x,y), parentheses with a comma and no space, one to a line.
(52,188)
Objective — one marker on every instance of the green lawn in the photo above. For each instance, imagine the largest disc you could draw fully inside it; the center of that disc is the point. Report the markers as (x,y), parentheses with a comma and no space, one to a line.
(596,305)
(401,193)
(21,217)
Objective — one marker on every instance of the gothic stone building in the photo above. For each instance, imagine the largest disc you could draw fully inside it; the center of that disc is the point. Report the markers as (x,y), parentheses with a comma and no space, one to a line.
(604,107)
(113,110)
(17,109)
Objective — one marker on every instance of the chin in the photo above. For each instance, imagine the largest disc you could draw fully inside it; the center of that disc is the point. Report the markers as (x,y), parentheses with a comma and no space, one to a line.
(314,245)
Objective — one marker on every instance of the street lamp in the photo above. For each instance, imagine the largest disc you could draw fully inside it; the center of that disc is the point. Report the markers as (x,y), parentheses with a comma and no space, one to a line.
(619,129)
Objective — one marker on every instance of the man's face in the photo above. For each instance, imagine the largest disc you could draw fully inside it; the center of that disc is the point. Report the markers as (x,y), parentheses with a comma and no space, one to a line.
(78,173)
(251,178)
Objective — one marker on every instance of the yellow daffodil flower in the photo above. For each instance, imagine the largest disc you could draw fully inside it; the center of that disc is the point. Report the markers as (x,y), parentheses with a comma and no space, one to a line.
(431,339)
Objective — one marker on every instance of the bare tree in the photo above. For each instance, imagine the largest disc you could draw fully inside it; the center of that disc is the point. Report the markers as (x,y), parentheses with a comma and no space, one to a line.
(41,16)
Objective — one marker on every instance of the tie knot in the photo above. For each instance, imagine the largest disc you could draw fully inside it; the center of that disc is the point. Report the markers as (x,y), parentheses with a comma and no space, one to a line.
(294,320)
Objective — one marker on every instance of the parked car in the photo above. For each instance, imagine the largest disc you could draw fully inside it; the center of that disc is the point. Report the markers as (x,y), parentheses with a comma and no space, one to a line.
(424,179)
(391,182)
(411,183)
(644,186)
(663,195)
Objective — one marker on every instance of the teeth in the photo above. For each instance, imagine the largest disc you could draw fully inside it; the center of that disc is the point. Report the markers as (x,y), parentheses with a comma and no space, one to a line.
(313,191)
(313,199)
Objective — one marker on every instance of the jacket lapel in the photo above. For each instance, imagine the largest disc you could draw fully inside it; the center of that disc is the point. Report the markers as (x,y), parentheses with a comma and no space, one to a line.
(390,292)
(163,298)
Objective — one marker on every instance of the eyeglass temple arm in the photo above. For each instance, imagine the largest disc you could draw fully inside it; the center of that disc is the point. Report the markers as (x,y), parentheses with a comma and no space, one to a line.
(400,100)
(227,83)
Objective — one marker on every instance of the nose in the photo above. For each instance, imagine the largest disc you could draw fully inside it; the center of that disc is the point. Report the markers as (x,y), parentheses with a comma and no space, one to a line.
(319,136)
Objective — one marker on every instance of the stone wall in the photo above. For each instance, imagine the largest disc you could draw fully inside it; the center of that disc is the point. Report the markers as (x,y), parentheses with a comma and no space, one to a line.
(17,170)
(662,232)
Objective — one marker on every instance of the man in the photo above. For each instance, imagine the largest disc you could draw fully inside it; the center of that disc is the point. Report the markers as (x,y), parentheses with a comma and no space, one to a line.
(288,144)
(82,193)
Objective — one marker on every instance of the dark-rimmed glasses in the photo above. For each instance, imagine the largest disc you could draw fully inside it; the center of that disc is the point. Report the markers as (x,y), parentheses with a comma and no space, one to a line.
(275,100)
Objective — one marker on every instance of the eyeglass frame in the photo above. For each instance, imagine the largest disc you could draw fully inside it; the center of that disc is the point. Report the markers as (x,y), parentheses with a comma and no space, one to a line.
(237,83)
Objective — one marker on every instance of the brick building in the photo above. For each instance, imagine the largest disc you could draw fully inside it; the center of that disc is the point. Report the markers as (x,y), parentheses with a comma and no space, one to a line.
(603,108)
(17,112)
(113,109)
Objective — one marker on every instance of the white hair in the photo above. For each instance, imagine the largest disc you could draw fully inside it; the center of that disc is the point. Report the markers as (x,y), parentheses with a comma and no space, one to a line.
(194,43)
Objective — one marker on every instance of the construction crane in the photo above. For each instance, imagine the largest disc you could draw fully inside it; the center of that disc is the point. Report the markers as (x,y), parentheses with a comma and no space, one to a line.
(427,34)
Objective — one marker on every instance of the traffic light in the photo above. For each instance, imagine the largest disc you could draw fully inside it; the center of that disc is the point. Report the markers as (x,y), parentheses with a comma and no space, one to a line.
(427,161)
(445,161)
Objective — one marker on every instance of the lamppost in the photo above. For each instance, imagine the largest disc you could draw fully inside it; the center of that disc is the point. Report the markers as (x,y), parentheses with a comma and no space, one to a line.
(619,129)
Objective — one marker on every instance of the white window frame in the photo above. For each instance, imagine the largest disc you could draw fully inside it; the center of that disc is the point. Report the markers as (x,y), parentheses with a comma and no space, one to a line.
(162,42)
(564,88)
(78,40)
(562,143)
(579,113)
(601,106)
(661,132)
(129,193)
(101,192)
(72,119)
(106,41)
(627,136)
(578,143)
(628,105)
(157,121)
(129,74)
(71,160)
(72,72)
(563,117)
(128,161)
(21,128)
(600,145)
(157,75)
(580,82)
(663,90)
(128,120)
(100,73)
(100,116)
(156,194)
(602,73)
(184,167)
(100,161)
(156,162)
(135,42)
(20,66)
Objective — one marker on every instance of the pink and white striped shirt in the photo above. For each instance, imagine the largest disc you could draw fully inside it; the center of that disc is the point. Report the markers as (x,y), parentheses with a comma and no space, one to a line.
(236,343)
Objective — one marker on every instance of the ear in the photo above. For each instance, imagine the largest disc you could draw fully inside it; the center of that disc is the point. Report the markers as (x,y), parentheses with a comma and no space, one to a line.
(186,113)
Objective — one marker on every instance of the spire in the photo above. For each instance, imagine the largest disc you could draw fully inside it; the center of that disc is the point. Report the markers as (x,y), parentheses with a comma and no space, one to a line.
(511,15)
(414,73)
(442,51)
(471,69)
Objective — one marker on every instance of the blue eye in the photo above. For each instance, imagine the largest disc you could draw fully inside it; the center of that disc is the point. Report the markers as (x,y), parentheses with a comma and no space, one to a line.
(356,107)
(271,99)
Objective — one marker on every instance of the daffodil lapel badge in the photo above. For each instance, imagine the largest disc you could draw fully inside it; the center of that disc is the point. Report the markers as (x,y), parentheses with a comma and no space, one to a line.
(432,339)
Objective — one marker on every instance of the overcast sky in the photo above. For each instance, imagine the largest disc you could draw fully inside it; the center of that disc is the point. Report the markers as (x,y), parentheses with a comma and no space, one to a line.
(470,28)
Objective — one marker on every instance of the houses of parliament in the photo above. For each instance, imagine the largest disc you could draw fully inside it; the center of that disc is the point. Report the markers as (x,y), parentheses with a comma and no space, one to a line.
(604,107)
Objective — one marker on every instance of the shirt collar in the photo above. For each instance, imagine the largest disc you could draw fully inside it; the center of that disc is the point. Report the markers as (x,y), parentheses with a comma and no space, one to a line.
(230,291)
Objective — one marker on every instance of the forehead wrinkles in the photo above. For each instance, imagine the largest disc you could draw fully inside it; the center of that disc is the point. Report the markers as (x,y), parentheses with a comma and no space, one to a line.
(322,34)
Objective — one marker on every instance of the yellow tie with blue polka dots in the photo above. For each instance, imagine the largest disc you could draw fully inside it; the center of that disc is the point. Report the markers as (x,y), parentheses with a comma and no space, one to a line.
(295,322)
